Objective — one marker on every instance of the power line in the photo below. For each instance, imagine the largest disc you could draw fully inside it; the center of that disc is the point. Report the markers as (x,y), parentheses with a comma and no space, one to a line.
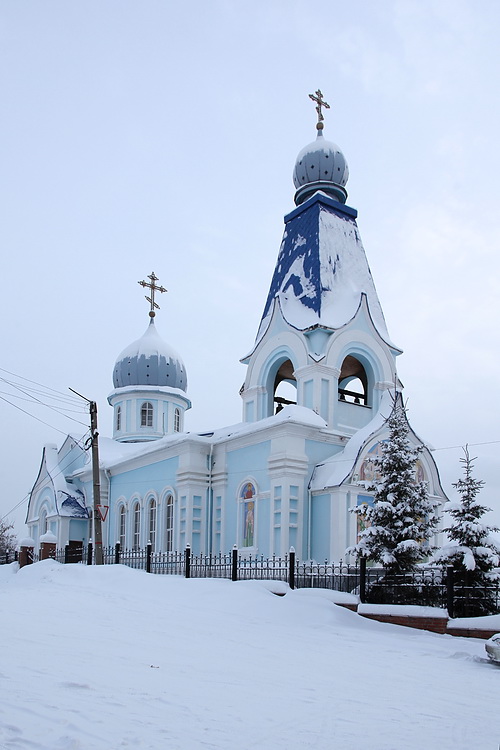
(48,406)
(29,399)
(65,400)
(46,387)
(33,416)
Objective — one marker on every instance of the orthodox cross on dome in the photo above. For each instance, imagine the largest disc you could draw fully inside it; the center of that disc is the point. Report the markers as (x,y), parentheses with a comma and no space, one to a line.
(151,285)
(320,102)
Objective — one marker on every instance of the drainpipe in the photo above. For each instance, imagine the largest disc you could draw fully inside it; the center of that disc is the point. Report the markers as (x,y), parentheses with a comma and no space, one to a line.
(309,517)
(110,515)
(210,501)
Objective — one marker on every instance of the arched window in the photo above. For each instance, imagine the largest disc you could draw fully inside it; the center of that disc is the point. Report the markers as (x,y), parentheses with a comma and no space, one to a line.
(177,420)
(152,523)
(285,386)
(44,526)
(247,497)
(147,414)
(118,418)
(169,523)
(353,382)
(136,536)
(122,526)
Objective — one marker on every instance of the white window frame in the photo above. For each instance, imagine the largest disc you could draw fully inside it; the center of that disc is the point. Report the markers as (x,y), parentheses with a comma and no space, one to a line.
(152,513)
(169,523)
(136,526)
(122,526)
(147,414)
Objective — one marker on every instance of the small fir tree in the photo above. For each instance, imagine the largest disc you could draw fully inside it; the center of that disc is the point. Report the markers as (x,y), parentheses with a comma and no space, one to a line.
(402,517)
(472,551)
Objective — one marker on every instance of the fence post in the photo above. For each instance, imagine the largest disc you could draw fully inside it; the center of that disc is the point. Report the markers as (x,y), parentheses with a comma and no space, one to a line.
(234,563)
(187,555)
(148,558)
(89,552)
(450,592)
(362,579)
(66,554)
(291,568)
(117,553)
(26,551)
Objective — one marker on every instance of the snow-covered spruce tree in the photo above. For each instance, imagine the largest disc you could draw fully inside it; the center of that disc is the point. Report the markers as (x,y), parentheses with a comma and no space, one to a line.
(402,517)
(472,551)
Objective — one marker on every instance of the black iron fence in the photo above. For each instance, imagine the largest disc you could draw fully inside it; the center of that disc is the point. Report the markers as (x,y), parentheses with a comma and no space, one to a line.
(426,586)
(431,587)
(7,557)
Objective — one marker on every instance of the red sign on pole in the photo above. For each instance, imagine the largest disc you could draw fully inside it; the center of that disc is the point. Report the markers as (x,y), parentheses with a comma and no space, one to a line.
(103,511)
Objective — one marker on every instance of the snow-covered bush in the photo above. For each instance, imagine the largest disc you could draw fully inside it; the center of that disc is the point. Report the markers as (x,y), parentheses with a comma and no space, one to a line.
(402,517)
(7,539)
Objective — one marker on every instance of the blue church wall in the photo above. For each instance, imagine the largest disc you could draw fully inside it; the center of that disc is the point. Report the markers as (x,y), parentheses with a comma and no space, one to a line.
(246,464)
(154,476)
(78,530)
(318,451)
(138,483)
(354,415)
(197,524)
(320,527)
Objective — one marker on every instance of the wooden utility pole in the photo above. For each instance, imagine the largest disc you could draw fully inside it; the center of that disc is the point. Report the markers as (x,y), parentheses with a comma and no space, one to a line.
(96,485)
(96,515)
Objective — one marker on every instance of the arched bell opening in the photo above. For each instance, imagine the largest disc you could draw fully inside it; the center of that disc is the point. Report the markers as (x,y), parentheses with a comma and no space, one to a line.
(353,382)
(285,387)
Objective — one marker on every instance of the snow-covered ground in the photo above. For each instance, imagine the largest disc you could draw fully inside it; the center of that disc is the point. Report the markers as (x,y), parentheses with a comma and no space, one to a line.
(110,658)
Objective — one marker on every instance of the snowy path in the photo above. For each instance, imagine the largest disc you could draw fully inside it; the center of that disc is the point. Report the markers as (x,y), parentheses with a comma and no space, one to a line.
(112,658)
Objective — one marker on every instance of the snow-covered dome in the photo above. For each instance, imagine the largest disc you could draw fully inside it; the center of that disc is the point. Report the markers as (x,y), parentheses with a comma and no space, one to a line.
(150,361)
(321,165)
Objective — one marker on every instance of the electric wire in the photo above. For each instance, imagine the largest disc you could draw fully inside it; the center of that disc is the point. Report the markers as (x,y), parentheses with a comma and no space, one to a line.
(70,401)
(48,406)
(41,385)
(33,416)
(30,400)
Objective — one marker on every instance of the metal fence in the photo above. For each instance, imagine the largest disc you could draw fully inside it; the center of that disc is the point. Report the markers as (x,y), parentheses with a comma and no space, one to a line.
(426,586)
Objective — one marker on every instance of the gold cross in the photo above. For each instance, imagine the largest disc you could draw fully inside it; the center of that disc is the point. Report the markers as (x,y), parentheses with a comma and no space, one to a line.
(151,285)
(318,98)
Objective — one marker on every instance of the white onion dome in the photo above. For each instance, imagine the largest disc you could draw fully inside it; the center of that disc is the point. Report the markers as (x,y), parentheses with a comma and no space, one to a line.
(150,361)
(321,165)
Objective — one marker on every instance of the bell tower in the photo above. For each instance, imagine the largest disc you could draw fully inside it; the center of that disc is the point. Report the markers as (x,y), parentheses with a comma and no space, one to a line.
(322,342)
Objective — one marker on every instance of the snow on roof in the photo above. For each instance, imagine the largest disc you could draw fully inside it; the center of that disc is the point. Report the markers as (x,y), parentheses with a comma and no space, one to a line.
(322,270)
(149,361)
(69,500)
(289,414)
(112,453)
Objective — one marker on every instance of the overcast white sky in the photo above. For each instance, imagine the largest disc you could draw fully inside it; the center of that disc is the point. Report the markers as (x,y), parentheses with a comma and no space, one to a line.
(158,135)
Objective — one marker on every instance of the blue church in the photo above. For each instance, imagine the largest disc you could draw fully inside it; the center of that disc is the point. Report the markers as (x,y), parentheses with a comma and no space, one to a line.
(320,382)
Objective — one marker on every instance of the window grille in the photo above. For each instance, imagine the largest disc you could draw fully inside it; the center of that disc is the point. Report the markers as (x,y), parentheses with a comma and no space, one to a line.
(152,523)
(122,527)
(169,524)
(137,526)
